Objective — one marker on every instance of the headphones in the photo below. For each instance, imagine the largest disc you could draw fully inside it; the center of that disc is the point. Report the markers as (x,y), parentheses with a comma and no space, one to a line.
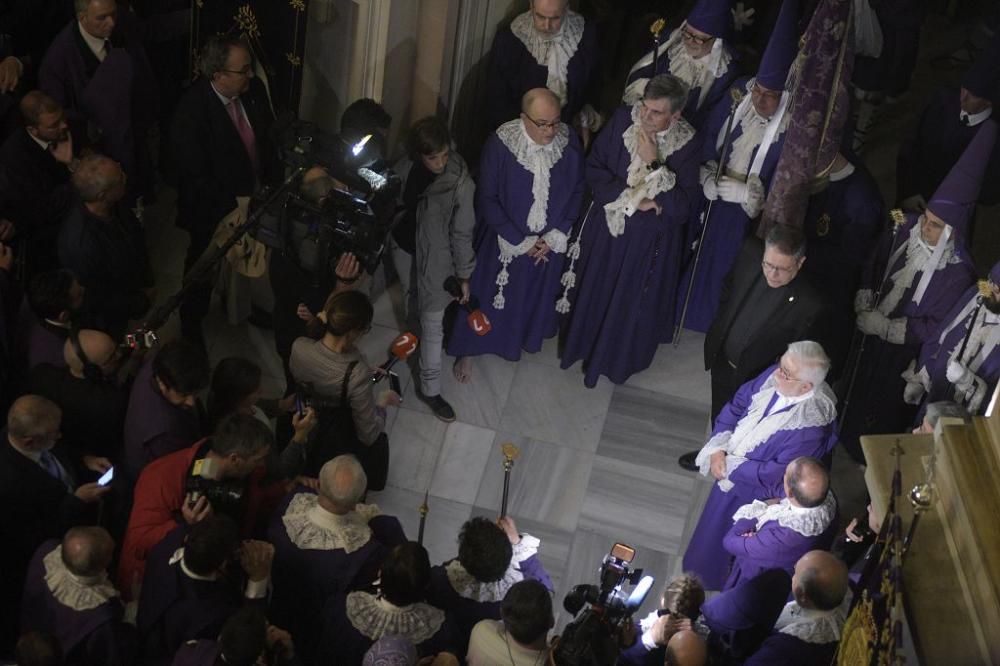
(91,370)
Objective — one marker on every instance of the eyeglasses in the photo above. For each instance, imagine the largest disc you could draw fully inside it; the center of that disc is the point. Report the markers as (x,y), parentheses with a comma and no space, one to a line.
(773,95)
(246,71)
(784,374)
(780,270)
(696,39)
(543,124)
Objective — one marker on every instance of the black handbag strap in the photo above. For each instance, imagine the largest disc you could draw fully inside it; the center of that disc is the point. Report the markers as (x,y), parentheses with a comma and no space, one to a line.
(345,385)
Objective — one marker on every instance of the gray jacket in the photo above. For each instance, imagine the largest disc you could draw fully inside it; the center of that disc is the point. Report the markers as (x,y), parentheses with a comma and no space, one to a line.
(445,223)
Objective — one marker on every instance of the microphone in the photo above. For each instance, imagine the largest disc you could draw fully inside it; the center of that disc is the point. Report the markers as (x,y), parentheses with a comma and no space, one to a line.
(477,319)
(400,350)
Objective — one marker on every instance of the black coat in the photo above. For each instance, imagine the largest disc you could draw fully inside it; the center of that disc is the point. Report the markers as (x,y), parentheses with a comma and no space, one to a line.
(799,317)
(213,167)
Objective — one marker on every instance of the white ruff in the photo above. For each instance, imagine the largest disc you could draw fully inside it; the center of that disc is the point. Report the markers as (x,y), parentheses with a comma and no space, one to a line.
(553,52)
(920,258)
(807,522)
(982,341)
(643,183)
(311,527)
(74,591)
(376,618)
(468,587)
(754,428)
(813,626)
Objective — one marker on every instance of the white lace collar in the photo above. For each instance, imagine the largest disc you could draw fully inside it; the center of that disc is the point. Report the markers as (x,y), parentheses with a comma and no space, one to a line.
(311,527)
(696,72)
(468,587)
(813,626)
(919,258)
(806,521)
(80,593)
(552,51)
(375,617)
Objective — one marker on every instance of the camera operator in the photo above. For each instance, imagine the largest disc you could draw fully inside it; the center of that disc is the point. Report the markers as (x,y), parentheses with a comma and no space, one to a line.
(223,474)
(299,296)
(338,379)
(522,637)
(680,606)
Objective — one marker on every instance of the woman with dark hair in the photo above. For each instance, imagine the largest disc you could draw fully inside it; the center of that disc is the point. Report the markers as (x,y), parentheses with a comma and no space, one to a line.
(432,242)
(335,378)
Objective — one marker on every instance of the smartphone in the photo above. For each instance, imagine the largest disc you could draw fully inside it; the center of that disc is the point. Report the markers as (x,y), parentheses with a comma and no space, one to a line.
(395,385)
(300,406)
(106,477)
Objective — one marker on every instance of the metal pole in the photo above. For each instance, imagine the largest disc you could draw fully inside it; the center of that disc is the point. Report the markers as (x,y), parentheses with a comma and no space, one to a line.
(424,510)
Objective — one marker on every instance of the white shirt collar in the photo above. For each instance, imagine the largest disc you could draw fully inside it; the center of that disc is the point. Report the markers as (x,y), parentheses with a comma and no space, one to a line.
(222,98)
(44,145)
(976,118)
(784,401)
(842,173)
(96,44)
(178,556)
(34,456)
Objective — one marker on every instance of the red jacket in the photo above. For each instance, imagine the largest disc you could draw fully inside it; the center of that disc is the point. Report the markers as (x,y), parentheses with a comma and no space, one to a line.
(156,510)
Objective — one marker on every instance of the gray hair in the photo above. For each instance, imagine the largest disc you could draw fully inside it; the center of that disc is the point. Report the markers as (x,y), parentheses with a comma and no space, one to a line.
(92,178)
(216,51)
(343,494)
(787,240)
(81,6)
(31,416)
(667,86)
(947,409)
(815,362)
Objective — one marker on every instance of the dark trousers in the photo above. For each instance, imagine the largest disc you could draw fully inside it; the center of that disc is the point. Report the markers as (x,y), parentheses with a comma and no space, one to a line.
(724,384)
(195,305)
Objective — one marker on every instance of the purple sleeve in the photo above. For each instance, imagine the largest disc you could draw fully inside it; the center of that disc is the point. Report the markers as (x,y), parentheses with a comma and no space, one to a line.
(768,544)
(602,169)
(532,569)
(927,326)
(762,475)
(733,541)
(677,203)
(489,203)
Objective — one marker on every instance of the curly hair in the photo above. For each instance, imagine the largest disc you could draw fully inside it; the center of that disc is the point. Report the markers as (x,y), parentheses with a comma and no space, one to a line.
(484,550)
(684,596)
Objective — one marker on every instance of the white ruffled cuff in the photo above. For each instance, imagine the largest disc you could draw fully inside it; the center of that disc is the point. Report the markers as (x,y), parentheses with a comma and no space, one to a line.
(525,548)
(707,171)
(556,240)
(863,300)
(634,91)
(510,250)
(752,510)
(719,442)
(755,197)
(588,118)
(896,332)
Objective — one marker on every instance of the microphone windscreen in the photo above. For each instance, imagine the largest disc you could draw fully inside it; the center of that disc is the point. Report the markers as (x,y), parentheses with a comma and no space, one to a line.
(403,346)
(479,322)
(453,286)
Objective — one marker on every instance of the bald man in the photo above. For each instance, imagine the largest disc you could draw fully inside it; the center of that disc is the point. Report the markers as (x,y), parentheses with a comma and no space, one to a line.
(326,543)
(776,533)
(39,495)
(529,195)
(808,629)
(68,594)
(686,648)
(92,404)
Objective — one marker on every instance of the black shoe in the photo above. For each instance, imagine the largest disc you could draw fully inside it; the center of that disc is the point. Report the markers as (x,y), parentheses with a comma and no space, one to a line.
(687,461)
(440,407)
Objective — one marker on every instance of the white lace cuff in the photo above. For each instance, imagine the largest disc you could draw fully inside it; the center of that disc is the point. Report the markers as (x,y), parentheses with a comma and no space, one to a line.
(509,251)
(556,240)
(755,197)
(863,300)
(752,510)
(527,547)
(896,333)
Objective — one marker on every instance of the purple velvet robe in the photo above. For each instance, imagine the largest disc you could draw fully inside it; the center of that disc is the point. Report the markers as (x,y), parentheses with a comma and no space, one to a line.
(728,225)
(890,73)
(876,404)
(202,652)
(153,426)
(757,478)
(503,199)
(94,637)
(626,285)
(697,110)
(304,579)
(934,357)
(772,547)
(468,612)
(784,650)
(513,71)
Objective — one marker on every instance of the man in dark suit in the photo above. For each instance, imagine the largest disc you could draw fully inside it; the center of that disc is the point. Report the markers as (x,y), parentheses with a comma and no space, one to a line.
(39,494)
(36,164)
(765,304)
(221,151)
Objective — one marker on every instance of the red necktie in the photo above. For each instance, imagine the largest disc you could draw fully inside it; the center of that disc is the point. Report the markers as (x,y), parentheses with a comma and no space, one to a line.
(243,129)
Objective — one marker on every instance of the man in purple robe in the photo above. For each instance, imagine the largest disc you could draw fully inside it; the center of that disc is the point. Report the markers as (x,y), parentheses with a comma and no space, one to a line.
(697,54)
(643,173)
(326,544)
(67,594)
(97,69)
(961,361)
(245,637)
(191,586)
(736,189)
(490,561)
(785,413)
(54,299)
(548,46)
(741,618)
(918,270)
(808,629)
(774,535)
(524,240)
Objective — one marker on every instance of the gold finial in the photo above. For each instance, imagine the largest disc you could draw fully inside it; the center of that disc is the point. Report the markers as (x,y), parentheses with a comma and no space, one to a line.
(898,217)
(424,509)
(984,288)
(657,27)
(510,454)
(736,94)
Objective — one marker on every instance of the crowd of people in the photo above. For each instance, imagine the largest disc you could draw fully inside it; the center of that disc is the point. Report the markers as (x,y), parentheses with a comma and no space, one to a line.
(160,510)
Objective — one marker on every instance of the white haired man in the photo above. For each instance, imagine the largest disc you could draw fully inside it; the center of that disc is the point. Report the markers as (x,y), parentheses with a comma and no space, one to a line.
(788,411)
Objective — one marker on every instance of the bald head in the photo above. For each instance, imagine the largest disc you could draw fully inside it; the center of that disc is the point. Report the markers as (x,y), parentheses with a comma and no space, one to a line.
(820,580)
(540,102)
(99,178)
(87,551)
(686,648)
(32,419)
(342,483)
(806,482)
(97,348)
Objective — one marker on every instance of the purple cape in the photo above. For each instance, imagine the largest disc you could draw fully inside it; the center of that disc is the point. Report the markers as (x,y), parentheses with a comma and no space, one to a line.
(784,650)
(626,285)
(530,295)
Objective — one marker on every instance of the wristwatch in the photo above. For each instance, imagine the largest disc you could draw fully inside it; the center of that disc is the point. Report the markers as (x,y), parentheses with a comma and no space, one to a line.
(654,165)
